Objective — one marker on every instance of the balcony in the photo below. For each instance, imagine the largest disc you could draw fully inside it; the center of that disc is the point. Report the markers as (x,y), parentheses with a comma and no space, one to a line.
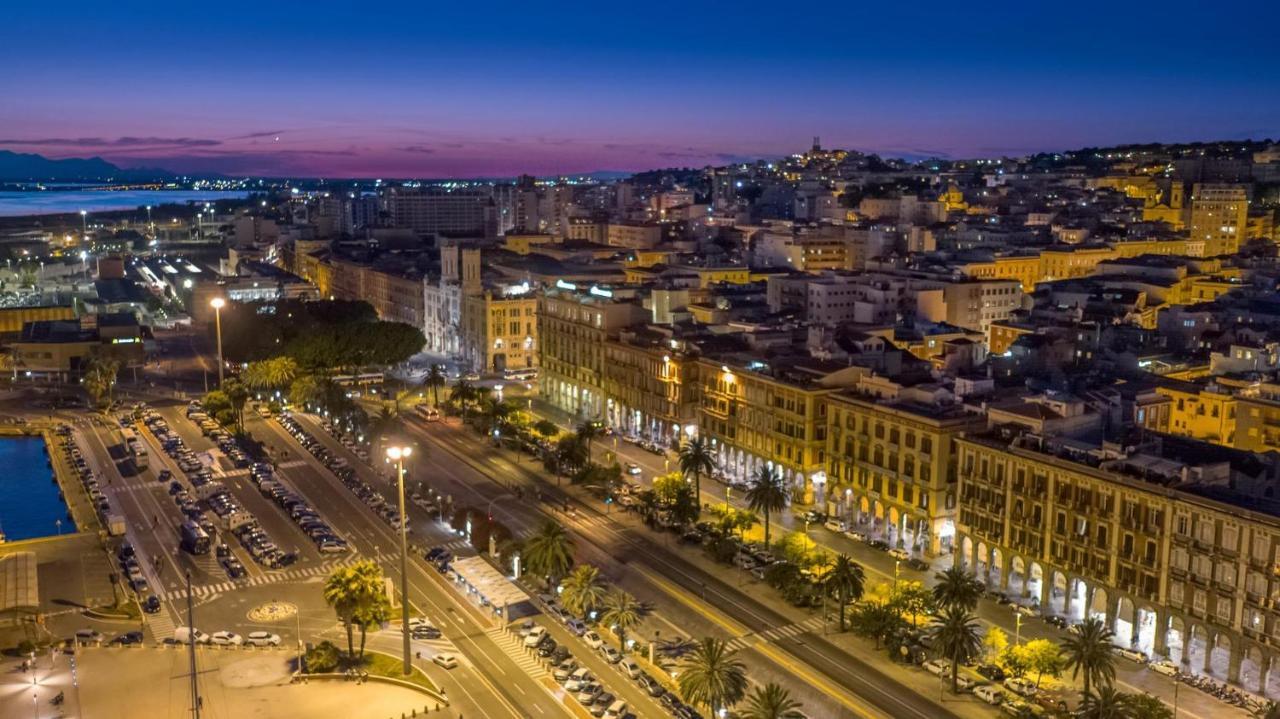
(1202,545)
(1177,571)
(1197,579)
(1229,553)
(1254,598)
(1181,538)
(1224,588)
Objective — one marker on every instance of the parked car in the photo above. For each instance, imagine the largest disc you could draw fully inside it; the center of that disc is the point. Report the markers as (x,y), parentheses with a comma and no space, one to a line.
(1132,655)
(1164,666)
(901,555)
(611,654)
(535,637)
(991,672)
(225,638)
(937,667)
(592,639)
(991,694)
(262,639)
(1021,686)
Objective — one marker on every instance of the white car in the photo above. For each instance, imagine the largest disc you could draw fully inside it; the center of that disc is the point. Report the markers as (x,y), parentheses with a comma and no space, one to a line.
(990,693)
(899,554)
(965,683)
(226,639)
(633,468)
(185,635)
(937,667)
(1021,686)
(1165,667)
(1132,655)
(447,661)
(592,639)
(611,653)
(262,639)
(534,638)
(578,680)
(1024,610)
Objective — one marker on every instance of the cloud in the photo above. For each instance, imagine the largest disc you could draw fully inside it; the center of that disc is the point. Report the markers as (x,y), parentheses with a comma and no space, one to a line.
(421,149)
(131,142)
(256,135)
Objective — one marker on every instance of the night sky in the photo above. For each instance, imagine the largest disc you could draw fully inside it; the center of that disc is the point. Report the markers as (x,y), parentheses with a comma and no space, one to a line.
(433,89)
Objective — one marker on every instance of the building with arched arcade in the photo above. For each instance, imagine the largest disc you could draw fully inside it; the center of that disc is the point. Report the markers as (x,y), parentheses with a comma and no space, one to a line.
(1174,543)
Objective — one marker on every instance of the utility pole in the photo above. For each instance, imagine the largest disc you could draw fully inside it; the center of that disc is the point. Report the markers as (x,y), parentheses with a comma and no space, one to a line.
(191,649)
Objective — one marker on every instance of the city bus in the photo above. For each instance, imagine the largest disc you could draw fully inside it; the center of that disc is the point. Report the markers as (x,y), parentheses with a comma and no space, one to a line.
(135,448)
(428,413)
(194,539)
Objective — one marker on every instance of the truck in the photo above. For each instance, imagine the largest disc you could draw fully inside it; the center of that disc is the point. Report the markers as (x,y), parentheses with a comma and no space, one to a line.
(115,525)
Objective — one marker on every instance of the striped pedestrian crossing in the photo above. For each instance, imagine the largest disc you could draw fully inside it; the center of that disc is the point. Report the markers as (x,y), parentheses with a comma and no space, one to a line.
(274,577)
(160,625)
(787,631)
(524,658)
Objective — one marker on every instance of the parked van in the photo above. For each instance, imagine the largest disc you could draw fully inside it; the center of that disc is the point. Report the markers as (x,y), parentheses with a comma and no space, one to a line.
(185,635)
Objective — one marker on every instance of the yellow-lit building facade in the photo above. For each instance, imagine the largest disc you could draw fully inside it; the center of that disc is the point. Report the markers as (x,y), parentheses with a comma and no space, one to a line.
(1201,411)
(650,391)
(499,333)
(890,471)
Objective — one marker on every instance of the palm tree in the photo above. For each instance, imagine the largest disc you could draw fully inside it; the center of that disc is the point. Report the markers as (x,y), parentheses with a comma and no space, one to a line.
(354,592)
(549,552)
(571,452)
(712,676)
(583,590)
(270,373)
(239,395)
(371,614)
(766,494)
(496,412)
(435,380)
(587,430)
(461,395)
(1106,704)
(1090,652)
(955,636)
(620,613)
(845,580)
(957,588)
(696,459)
(771,702)
(382,424)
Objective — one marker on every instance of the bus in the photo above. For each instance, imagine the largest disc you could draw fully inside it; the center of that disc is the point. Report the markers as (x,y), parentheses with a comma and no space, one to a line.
(135,448)
(360,384)
(194,539)
(430,414)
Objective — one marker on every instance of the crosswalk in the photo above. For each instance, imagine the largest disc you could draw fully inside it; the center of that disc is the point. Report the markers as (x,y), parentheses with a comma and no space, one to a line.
(274,577)
(525,659)
(775,634)
(160,625)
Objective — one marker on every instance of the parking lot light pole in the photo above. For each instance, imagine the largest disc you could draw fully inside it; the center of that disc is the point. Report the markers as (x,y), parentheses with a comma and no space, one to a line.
(398,455)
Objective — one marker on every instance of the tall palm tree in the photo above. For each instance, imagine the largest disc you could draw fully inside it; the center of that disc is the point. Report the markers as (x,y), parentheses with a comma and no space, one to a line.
(771,702)
(496,412)
(353,592)
(696,459)
(957,588)
(620,613)
(766,494)
(1106,704)
(239,395)
(846,581)
(383,424)
(587,430)
(1090,652)
(270,373)
(571,452)
(955,635)
(462,395)
(711,675)
(583,590)
(549,552)
(434,381)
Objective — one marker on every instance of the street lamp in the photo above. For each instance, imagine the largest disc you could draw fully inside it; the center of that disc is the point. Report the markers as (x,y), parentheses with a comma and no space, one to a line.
(218,303)
(1017,627)
(84,225)
(399,455)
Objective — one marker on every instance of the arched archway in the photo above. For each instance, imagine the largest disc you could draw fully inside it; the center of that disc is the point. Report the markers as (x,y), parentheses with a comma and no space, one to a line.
(982,562)
(1017,575)
(1175,640)
(997,566)
(1253,669)
(1057,592)
(1196,647)
(1035,583)
(966,553)
(1126,618)
(1147,620)
(1098,604)
(1220,655)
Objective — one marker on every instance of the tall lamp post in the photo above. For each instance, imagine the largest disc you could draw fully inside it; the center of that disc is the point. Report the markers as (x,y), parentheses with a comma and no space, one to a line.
(398,455)
(218,303)
(84,225)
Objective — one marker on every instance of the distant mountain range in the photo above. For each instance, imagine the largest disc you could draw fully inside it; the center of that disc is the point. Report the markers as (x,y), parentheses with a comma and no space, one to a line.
(32,167)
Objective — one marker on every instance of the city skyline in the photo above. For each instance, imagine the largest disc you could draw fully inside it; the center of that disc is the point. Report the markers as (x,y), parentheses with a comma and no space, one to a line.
(412,92)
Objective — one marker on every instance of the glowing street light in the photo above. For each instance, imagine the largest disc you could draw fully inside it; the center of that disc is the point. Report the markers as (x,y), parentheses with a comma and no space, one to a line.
(218,303)
(398,455)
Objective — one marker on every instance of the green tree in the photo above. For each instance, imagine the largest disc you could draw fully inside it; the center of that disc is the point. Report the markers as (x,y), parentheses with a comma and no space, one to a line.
(771,702)
(353,591)
(461,397)
(994,644)
(1107,703)
(270,373)
(712,676)
(957,588)
(549,552)
(697,459)
(100,379)
(767,494)
(322,658)
(436,379)
(846,581)
(620,612)
(546,428)
(371,614)
(583,591)
(876,620)
(238,395)
(1040,656)
(383,424)
(587,430)
(1091,653)
(495,413)
(912,598)
(956,638)
(1146,706)
(305,390)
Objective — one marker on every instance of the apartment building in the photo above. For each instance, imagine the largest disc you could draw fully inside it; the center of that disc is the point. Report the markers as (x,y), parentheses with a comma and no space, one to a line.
(1152,539)
(1219,216)
(395,293)
(573,328)
(455,213)
(499,329)
(650,388)
(890,468)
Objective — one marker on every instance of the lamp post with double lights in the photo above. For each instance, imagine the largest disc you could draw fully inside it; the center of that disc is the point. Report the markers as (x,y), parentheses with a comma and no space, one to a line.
(218,303)
(399,455)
